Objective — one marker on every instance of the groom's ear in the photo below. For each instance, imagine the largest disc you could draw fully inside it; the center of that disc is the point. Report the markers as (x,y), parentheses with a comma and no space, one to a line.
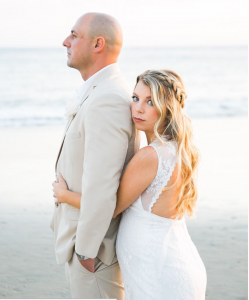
(99,44)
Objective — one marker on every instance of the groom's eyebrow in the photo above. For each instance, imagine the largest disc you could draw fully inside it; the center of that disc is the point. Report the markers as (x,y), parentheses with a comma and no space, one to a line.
(73,31)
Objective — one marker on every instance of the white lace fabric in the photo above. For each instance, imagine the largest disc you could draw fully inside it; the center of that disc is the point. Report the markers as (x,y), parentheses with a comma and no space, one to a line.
(166,164)
(157,257)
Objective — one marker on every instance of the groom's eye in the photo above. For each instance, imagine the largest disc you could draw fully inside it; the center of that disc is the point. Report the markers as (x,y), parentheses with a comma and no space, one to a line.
(135,98)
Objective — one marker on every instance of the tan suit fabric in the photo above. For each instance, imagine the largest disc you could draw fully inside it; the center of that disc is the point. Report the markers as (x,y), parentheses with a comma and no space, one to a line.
(97,145)
(105,283)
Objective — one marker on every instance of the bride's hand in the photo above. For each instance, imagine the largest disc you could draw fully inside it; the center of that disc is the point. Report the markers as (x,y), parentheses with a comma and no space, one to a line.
(59,188)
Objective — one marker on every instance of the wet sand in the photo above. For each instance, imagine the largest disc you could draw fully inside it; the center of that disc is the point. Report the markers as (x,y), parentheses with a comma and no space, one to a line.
(27,157)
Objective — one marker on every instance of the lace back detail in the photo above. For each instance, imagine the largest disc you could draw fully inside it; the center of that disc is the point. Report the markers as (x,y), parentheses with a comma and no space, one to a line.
(167,157)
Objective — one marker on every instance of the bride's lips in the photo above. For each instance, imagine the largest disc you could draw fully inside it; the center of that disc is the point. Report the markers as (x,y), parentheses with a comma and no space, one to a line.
(137,120)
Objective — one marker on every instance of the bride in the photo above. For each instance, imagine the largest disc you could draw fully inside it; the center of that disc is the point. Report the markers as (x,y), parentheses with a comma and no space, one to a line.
(157,257)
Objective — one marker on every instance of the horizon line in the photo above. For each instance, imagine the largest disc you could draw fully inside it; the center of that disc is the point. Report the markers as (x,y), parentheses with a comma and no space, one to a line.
(124,47)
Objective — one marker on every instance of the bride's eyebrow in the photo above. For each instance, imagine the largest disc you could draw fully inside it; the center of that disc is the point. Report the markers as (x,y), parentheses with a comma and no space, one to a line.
(148,97)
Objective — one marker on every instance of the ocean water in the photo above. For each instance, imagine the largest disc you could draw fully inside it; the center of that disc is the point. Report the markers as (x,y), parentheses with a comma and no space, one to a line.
(36,84)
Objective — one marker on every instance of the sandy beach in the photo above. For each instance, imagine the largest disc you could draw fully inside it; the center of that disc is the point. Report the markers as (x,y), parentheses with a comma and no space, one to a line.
(27,260)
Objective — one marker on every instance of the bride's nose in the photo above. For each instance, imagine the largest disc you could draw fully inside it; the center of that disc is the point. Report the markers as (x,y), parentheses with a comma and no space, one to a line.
(139,108)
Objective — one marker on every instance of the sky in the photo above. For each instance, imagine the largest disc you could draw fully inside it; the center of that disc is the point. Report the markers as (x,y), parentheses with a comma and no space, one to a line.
(155,23)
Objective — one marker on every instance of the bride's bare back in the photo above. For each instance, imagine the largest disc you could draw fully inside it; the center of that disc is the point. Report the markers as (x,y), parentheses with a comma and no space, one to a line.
(159,202)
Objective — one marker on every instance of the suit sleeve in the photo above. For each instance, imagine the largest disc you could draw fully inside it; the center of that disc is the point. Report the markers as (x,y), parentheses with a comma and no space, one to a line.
(108,128)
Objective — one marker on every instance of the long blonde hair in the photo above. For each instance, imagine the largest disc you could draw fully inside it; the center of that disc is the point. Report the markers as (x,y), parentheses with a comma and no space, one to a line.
(168,97)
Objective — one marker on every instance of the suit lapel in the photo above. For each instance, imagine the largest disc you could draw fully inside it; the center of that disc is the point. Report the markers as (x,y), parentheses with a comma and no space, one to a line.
(62,142)
(66,129)
(114,69)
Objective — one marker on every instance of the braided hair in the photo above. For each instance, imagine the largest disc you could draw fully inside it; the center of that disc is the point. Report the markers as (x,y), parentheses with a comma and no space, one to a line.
(168,97)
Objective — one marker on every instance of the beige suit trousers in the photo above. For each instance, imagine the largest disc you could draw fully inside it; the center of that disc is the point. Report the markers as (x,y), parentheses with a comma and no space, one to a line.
(105,283)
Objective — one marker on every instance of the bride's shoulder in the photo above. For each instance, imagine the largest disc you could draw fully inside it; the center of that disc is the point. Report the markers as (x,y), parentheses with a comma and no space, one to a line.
(142,167)
(147,154)
(145,159)
(165,145)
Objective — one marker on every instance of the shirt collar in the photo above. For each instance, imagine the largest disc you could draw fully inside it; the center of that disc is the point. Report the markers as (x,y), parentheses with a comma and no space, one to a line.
(82,89)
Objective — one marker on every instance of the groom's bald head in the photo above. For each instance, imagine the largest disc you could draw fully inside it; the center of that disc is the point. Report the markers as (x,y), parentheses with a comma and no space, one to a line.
(95,41)
(103,25)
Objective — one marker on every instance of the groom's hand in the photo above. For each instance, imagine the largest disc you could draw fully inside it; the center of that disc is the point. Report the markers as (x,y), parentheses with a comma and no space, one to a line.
(87,264)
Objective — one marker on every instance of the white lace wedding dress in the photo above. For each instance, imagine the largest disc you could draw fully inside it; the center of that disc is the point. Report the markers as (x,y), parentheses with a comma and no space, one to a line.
(157,257)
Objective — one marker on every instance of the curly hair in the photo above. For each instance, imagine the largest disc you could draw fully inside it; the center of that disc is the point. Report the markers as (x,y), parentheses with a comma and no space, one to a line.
(168,97)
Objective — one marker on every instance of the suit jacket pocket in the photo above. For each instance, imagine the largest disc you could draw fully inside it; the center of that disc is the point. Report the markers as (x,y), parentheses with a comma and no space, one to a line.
(73,135)
(73,214)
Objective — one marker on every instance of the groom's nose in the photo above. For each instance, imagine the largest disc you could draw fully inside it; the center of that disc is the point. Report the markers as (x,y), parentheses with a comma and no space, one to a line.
(66,42)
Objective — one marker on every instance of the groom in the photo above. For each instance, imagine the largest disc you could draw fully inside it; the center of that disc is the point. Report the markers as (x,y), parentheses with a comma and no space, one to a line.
(98,143)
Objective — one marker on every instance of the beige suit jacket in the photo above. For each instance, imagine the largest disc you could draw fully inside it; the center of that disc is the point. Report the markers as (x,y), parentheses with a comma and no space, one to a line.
(98,144)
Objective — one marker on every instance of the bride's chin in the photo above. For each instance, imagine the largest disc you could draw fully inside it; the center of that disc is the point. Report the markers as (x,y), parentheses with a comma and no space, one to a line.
(140,127)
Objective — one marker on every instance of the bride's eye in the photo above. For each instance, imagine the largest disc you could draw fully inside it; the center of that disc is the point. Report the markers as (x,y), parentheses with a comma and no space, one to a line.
(135,98)
(150,103)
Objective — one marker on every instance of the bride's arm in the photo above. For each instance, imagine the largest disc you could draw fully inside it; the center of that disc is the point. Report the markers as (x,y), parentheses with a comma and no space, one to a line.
(63,195)
(138,175)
